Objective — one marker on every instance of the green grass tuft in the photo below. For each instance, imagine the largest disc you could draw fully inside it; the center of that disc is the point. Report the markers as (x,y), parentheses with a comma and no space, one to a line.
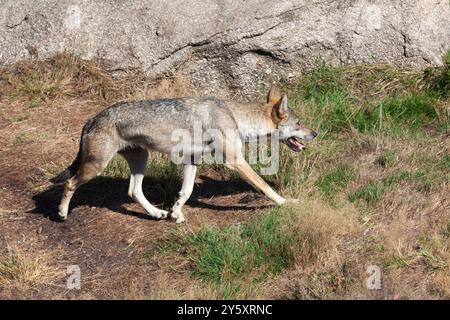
(408,113)
(328,102)
(322,81)
(22,137)
(221,255)
(386,159)
(335,180)
(117,168)
(438,79)
(373,191)
(395,178)
(370,193)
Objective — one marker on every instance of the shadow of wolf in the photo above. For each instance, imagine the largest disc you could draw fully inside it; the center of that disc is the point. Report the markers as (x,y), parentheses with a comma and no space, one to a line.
(108,192)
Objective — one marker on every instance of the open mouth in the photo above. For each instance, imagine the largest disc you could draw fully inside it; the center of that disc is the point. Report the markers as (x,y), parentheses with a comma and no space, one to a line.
(295,144)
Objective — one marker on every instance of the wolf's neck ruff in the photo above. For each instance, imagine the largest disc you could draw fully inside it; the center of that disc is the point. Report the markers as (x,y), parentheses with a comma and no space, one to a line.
(253,121)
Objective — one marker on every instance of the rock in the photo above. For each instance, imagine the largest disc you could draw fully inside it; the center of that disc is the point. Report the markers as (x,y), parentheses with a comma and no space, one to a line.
(228,46)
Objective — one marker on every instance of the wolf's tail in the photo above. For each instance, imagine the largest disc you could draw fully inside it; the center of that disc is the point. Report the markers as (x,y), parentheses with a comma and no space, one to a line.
(73,168)
(69,172)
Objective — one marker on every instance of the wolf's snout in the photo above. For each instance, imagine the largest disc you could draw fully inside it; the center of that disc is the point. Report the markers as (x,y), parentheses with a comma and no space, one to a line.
(311,135)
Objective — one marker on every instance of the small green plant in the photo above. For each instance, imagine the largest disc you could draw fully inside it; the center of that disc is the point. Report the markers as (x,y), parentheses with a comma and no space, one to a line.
(335,180)
(438,79)
(386,158)
(395,178)
(22,117)
(370,193)
(117,168)
(21,137)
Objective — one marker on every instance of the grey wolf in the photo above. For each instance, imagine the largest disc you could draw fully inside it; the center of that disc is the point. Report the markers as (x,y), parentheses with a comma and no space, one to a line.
(134,128)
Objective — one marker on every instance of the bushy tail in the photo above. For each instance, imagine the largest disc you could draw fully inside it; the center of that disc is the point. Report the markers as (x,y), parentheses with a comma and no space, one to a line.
(69,172)
(73,168)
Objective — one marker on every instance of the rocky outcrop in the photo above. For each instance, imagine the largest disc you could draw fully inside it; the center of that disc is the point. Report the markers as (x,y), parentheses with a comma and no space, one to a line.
(226,45)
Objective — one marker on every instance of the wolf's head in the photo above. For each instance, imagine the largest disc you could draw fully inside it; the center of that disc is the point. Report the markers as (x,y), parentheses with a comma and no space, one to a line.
(291,130)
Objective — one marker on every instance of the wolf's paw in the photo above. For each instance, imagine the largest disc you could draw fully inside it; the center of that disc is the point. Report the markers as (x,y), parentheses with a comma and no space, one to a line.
(164,214)
(177,215)
(62,216)
(159,214)
(180,220)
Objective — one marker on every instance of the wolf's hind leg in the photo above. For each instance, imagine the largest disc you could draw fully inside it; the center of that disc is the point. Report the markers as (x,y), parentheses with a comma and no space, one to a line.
(137,159)
(87,171)
(189,172)
(69,189)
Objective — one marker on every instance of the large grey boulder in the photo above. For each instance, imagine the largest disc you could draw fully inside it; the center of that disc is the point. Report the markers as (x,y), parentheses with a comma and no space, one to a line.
(227,45)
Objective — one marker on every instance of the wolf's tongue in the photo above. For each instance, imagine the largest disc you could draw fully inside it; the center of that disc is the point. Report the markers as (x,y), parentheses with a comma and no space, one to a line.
(297,143)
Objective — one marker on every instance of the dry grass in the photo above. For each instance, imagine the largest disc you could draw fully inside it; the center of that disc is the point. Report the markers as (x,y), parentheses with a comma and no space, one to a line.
(24,270)
(172,287)
(321,227)
(67,76)
(376,81)
(415,237)
(324,253)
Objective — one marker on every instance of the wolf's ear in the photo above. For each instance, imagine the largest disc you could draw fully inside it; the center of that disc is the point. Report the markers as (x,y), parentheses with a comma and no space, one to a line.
(274,96)
(280,110)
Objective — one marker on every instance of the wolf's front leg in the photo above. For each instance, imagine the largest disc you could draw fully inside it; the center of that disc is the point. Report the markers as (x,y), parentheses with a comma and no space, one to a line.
(233,152)
(189,172)
(255,180)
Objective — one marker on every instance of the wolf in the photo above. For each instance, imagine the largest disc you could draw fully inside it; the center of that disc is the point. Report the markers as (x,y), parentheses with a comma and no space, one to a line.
(133,128)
